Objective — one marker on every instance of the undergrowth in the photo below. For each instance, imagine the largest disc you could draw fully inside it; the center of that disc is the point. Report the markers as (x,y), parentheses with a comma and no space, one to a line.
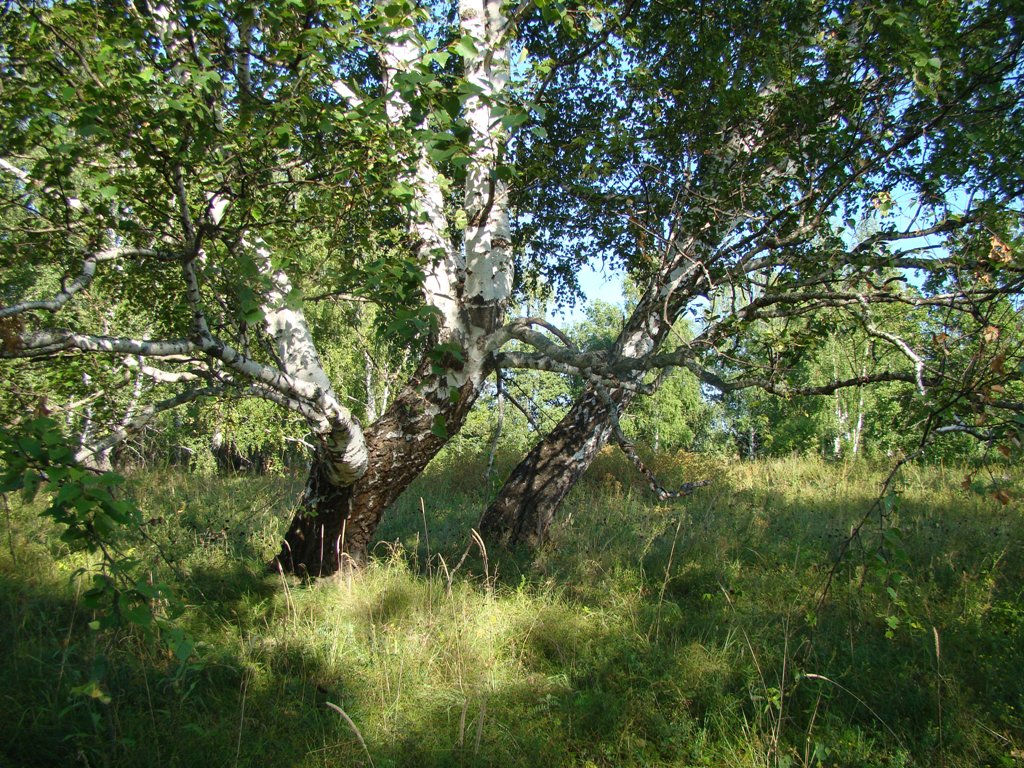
(642,634)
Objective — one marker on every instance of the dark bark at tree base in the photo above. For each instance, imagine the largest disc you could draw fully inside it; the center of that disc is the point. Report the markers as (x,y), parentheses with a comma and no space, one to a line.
(334,527)
(313,545)
(527,503)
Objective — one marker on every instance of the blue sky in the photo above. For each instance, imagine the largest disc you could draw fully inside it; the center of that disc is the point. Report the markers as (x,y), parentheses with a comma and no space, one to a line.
(597,282)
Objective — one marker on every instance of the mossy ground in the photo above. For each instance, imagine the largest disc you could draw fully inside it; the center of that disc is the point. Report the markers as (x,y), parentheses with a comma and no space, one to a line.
(642,634)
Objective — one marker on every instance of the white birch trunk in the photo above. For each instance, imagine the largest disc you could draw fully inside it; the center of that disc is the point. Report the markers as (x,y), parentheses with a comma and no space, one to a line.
(371,399)
(340,434)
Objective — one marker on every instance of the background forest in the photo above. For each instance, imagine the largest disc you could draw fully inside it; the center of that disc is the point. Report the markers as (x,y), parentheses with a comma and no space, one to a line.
(878,422)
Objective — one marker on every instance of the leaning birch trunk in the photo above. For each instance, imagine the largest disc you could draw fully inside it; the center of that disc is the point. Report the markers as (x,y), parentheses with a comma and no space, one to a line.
(529,500)
(527,504)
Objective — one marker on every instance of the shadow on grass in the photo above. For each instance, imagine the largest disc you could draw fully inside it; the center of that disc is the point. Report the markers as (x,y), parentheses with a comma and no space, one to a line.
(642,634)
(915,646)
(261,699)
(230,583)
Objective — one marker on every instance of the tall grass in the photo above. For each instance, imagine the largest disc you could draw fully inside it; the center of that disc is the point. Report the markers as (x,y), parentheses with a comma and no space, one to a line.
(641,634)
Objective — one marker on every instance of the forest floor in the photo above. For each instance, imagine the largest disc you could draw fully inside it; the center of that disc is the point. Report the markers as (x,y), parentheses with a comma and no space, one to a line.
(693,633)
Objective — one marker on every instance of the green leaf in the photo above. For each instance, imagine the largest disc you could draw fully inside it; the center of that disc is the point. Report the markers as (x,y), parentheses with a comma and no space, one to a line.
(91,689)
(31,447)
(30,485)
(183,649)
(402,191)
(439,154)
(466,48)
(140,615)
(294,299)
(441,57)
(514,120)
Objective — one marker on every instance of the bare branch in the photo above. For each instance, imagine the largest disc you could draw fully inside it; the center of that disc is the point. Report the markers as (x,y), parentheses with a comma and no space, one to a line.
(50,342)
(553,329)
(662,493)
(783,390)
(161,376)
(519,407)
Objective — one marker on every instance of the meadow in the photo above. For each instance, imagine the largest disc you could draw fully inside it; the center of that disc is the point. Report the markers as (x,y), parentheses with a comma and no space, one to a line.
(694,633)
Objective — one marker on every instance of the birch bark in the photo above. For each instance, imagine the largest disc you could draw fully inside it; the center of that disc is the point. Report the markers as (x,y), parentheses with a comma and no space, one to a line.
(469,284)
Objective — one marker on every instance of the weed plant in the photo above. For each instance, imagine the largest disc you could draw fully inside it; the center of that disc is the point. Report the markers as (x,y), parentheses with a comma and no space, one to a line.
(694,633)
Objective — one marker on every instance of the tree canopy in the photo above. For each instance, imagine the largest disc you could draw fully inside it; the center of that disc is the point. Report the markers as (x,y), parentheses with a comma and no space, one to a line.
(182,183)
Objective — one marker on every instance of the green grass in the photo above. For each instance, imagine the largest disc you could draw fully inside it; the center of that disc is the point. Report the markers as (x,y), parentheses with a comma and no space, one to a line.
(642,634)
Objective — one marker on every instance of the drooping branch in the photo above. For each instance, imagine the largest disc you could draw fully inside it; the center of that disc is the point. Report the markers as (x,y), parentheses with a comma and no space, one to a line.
(629,450)
(785,390)
(660,491)
(521,408)
(343,442)
(82,281)
(302,384)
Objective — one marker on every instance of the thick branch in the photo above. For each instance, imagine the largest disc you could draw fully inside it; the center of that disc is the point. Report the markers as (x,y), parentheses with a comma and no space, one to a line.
(50,342)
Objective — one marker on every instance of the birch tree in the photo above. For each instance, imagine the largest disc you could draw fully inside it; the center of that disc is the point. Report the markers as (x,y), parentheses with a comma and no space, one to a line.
(205,159)
(733,181)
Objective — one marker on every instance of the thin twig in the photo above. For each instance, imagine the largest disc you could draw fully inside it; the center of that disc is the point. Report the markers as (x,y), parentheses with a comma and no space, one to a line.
(241,716)
(858,699)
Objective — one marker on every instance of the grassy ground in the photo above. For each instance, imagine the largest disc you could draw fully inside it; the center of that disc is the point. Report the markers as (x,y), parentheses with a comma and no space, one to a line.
(643,634)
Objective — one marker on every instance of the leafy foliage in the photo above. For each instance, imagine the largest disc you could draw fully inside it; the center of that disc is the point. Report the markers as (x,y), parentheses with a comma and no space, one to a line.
(85,506)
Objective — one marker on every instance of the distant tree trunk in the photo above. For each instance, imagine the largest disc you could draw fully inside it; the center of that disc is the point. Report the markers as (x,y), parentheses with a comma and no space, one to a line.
(371,398)
(526,505)
(498,426)
(837,441)
(335,524)
(858,429)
